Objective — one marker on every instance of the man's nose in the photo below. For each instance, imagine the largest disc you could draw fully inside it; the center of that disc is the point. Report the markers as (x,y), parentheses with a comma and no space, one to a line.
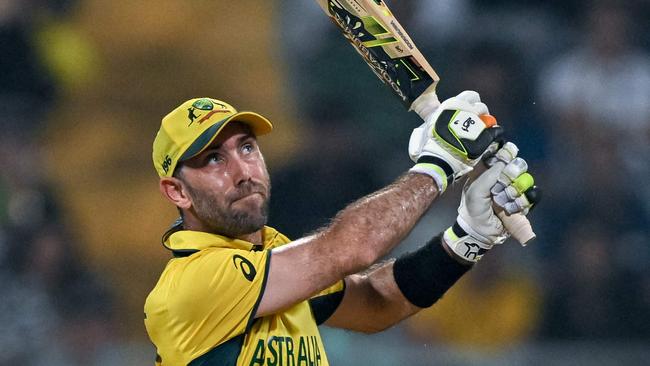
(241,170)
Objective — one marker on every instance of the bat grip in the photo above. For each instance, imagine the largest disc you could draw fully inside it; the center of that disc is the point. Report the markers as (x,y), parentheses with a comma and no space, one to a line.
(518,226)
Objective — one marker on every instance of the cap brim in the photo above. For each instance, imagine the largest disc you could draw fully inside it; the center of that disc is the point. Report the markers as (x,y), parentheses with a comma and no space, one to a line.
(259,126)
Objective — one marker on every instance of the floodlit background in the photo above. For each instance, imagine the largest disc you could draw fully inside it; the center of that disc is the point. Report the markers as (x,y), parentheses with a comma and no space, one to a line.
(84,84)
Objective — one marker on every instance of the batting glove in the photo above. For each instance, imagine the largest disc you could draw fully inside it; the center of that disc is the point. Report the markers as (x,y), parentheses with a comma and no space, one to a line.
(453,137)
(478,228)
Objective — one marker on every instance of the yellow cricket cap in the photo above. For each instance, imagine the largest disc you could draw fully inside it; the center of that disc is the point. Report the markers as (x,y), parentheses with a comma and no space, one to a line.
(192,126)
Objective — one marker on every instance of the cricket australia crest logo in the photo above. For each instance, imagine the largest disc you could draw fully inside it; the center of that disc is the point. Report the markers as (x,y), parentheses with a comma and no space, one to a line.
(208,105)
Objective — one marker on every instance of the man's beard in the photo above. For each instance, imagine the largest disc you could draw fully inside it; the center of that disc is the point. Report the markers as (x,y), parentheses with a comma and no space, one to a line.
(221,218)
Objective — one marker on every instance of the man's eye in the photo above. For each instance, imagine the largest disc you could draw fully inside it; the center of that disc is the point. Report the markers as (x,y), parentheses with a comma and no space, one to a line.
(214,158)
(247,148)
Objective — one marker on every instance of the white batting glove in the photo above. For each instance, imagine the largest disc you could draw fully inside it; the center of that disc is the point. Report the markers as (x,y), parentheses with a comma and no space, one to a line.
(477,228)
(453,138)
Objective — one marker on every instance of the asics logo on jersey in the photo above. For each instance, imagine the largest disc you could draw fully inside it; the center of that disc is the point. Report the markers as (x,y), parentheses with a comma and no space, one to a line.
(245,266)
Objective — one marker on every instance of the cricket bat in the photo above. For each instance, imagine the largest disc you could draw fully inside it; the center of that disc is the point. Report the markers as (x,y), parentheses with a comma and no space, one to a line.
(391,54)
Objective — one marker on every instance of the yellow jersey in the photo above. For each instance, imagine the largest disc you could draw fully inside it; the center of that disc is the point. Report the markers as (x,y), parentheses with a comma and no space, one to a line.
(201,311)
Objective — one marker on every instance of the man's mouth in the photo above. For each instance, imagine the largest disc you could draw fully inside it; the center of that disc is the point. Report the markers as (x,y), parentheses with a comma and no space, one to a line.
(248,195)
(248,191)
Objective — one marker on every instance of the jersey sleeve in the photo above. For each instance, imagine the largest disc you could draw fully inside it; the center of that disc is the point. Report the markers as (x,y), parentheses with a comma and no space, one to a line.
(325,303)
(220,292)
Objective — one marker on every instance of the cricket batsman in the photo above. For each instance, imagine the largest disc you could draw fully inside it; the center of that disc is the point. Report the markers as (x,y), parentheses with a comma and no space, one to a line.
(238,292)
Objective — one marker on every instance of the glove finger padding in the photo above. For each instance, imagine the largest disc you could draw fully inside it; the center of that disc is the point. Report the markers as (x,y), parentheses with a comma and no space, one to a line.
(506,152)
(513,203)
(512,183)
(515,190)
(513,169)
(514,194)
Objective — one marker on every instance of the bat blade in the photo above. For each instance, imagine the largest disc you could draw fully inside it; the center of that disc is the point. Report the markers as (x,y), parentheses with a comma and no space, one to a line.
(383,43)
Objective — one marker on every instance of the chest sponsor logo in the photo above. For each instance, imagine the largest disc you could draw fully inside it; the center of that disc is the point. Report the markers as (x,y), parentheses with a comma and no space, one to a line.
(288,351)
(245,266)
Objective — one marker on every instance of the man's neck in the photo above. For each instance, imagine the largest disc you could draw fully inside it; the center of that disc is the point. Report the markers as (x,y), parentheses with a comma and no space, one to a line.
(190,223)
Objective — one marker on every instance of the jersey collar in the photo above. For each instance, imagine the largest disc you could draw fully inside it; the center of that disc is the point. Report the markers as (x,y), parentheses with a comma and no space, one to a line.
(186,242)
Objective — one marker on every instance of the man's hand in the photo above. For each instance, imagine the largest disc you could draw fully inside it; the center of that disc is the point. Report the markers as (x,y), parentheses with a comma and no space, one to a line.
(478,228)
(453,137)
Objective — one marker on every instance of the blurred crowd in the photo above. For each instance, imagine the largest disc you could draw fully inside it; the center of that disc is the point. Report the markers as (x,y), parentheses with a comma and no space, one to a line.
(54,308)
(569,80)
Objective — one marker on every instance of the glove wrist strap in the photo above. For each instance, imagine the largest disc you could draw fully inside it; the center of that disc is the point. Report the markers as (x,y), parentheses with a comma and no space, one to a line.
(464,245)
(438,169)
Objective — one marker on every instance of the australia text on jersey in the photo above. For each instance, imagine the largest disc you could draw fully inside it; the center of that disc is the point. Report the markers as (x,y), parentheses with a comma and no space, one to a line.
(284,351)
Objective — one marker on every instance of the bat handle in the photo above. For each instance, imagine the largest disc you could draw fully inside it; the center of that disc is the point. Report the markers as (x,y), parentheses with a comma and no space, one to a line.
(518,226)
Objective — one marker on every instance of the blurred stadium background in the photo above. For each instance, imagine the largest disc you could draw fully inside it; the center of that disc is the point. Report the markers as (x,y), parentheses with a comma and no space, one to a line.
(84,83)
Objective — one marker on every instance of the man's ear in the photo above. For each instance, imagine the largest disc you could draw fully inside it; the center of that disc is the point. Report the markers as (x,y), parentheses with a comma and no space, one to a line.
(174,190)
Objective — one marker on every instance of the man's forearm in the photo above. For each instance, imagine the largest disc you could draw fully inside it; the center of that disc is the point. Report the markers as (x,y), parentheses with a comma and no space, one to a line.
(369,228)
(357,237)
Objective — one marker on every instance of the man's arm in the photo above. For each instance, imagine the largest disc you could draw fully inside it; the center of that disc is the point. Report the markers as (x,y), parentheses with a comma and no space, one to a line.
(357,237)
(394,290)
(369,228)
(374,301)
